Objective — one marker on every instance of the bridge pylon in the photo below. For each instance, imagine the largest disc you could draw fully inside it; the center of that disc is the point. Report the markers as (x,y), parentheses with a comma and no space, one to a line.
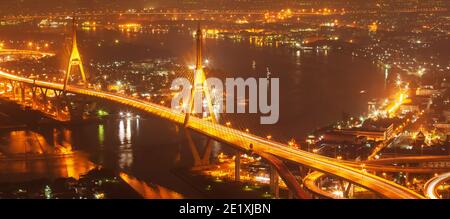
(199,89)
(75,58)
(200,86)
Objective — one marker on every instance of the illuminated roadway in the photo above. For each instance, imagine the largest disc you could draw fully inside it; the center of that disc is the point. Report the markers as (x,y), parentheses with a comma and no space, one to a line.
(430,187)
(310,182)
(405,169)
(410,159)
(386,164)
(24,52)
(243,140)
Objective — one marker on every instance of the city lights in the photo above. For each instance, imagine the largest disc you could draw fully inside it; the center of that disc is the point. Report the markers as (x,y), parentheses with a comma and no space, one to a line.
(91,90)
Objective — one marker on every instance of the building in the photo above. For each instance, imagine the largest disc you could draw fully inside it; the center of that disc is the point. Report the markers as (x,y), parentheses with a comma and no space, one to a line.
(444,127)
(409,108)
(427,91)
(341,137)
(375,130)
(373,135)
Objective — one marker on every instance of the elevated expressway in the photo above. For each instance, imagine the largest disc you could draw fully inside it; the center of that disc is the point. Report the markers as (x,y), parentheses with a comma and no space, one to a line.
(392,164)
(431,186)
(405,169)
(243,140)
(4,52)
(409,159)
(386,165)
(311,184)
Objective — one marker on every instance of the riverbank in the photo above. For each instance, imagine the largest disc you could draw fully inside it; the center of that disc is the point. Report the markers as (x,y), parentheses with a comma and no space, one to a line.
(98,183)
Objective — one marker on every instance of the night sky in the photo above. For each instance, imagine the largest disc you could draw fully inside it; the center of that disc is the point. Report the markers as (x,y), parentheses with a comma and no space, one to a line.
(27,6)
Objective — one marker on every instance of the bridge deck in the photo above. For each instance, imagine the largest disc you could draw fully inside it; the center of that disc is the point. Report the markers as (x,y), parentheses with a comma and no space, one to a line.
(243,140)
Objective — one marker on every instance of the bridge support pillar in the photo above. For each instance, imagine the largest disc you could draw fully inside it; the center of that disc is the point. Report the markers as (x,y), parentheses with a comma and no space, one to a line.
(3,88)
(57,108)
(22,92)
(407,175)
(302,170)
(58,93)
(348,191)
(13,86)
(274,182)
(198,160)
(55,138)
(320,181)
(33,97)
(44,93)
(237,167)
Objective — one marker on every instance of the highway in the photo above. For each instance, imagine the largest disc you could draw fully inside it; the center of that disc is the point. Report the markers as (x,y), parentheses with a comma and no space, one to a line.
(24,52)
(410,159)
(243,140)
(405,169)
(430,187)
(310,182)
(387,164)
